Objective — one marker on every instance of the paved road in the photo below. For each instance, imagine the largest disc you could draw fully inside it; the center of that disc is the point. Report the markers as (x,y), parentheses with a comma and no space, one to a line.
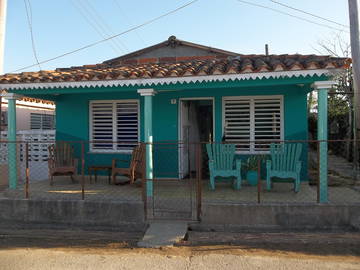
(42,259)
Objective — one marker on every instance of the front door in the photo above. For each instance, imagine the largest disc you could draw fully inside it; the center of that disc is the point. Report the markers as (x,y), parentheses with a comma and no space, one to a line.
(196,125)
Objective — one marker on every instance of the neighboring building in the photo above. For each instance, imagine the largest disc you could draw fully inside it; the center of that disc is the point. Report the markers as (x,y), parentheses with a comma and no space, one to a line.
(31,114)
(199,94)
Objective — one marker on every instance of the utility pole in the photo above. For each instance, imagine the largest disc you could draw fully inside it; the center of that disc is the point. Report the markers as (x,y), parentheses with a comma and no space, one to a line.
(3,4)
(355,54)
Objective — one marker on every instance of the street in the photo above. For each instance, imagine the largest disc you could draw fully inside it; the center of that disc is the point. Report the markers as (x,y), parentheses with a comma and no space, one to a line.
(76,249)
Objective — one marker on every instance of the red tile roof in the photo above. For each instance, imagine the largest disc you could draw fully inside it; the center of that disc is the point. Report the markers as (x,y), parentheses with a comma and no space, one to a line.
(186,66)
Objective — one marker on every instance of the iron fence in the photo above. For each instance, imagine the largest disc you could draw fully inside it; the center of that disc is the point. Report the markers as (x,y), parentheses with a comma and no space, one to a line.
(180,176)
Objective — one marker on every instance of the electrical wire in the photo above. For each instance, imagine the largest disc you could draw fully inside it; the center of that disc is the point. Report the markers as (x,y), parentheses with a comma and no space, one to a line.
(291,15)
(109,38)
(129,20)
(28,10)
(90,22)
(103,23)
(308,13)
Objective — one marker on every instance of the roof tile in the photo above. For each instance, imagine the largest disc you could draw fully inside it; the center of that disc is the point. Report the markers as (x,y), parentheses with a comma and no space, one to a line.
(190,66)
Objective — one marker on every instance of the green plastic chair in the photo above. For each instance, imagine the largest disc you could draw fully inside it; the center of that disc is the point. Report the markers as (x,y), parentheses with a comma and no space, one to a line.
(222,163)
(285,163)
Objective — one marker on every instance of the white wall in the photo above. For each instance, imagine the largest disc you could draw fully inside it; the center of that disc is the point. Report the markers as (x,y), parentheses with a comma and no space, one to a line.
(23,115)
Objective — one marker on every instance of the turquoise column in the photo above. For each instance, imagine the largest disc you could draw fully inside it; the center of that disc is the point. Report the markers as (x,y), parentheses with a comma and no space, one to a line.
(322,125)
(148,138)
(12,160)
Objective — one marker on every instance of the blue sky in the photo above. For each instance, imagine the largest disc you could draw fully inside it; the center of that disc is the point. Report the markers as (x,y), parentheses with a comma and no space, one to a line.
(59,27)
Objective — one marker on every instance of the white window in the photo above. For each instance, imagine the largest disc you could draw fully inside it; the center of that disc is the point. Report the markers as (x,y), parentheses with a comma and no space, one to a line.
(256,121)
(114,125)
(42,121)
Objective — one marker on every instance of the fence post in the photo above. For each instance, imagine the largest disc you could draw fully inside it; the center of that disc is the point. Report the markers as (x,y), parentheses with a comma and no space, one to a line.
(199,181)
(82,171)
(27,174)
(259,182)
(318,171)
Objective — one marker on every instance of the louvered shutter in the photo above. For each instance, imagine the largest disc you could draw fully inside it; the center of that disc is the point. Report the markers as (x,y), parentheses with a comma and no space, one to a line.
(237,126)
(35,121)
(102,125)
(268,124)
(115,124)
(47,121)
(256,121)
(127,124)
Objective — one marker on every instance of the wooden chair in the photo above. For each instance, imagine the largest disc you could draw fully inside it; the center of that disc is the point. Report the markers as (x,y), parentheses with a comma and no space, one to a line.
(285,163)
(222,163)
(61,161)
(136,165)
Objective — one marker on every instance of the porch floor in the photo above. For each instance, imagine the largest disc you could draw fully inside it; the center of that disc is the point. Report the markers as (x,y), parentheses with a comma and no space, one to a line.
(64,189)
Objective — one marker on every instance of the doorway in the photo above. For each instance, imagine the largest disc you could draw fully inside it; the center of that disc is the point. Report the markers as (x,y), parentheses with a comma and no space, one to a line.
(196,125)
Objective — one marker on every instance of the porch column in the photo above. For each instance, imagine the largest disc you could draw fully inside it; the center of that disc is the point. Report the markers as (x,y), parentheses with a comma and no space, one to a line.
(322,125)
(148,138)
(12,157)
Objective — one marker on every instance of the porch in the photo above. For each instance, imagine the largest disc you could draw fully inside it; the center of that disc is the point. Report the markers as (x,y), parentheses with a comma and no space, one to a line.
(178,193)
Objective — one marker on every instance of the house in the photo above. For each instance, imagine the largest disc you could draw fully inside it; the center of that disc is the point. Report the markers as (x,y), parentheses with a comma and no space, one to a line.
(31,114)
(180,91)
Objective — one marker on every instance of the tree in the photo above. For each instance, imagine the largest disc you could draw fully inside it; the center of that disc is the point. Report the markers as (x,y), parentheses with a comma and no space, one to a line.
(340,109)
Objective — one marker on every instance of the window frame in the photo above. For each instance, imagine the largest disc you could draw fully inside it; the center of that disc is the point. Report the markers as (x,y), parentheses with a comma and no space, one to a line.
(252,150)
(113,102)
(41,124)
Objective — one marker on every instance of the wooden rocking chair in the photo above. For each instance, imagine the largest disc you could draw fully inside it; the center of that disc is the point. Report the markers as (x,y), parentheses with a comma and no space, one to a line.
(135,169)
(61,161)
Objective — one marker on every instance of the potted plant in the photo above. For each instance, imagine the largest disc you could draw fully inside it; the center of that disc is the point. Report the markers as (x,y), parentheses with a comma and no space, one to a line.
(252,168)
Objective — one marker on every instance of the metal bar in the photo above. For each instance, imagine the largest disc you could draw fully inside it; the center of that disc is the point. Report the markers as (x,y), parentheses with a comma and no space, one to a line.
(199,181)
(143,179)
(318,172)
(82,171)
(27,172)
(259,182)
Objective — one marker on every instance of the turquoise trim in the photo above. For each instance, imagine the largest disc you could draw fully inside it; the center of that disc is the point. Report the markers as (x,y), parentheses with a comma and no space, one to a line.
(322,136)
(12,160)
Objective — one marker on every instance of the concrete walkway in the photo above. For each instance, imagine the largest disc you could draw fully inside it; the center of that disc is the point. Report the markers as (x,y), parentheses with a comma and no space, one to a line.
(163,234)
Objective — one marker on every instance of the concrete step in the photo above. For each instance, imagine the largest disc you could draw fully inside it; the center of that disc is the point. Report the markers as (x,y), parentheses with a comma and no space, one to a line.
(163,234)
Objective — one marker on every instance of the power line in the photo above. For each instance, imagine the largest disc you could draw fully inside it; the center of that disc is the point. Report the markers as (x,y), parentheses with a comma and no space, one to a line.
(104,24)
(291,15)
(90,22)
(29,20)
(127,17)
(308,13)
(109,38)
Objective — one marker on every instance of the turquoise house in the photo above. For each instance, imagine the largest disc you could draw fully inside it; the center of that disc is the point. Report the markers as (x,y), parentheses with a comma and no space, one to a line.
(177,91)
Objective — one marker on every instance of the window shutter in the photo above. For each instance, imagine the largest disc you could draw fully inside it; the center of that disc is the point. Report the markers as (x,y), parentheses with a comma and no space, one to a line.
(127,124)
(102,125)
(35,121)
(116,123)
(47,121)
(237,126)
(41,121)
(267,116)
(252,119)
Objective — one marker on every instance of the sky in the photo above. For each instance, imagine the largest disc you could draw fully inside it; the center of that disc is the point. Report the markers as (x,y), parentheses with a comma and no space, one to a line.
(60,26)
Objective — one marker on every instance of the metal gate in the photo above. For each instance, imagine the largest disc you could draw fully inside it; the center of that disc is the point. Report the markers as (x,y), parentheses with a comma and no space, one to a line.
(176,195)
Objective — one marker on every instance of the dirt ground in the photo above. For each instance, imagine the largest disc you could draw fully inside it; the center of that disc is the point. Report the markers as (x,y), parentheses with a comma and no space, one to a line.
(78,249)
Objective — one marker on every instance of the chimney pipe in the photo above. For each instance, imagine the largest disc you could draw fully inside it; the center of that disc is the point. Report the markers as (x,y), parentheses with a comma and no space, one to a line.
(266,49)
